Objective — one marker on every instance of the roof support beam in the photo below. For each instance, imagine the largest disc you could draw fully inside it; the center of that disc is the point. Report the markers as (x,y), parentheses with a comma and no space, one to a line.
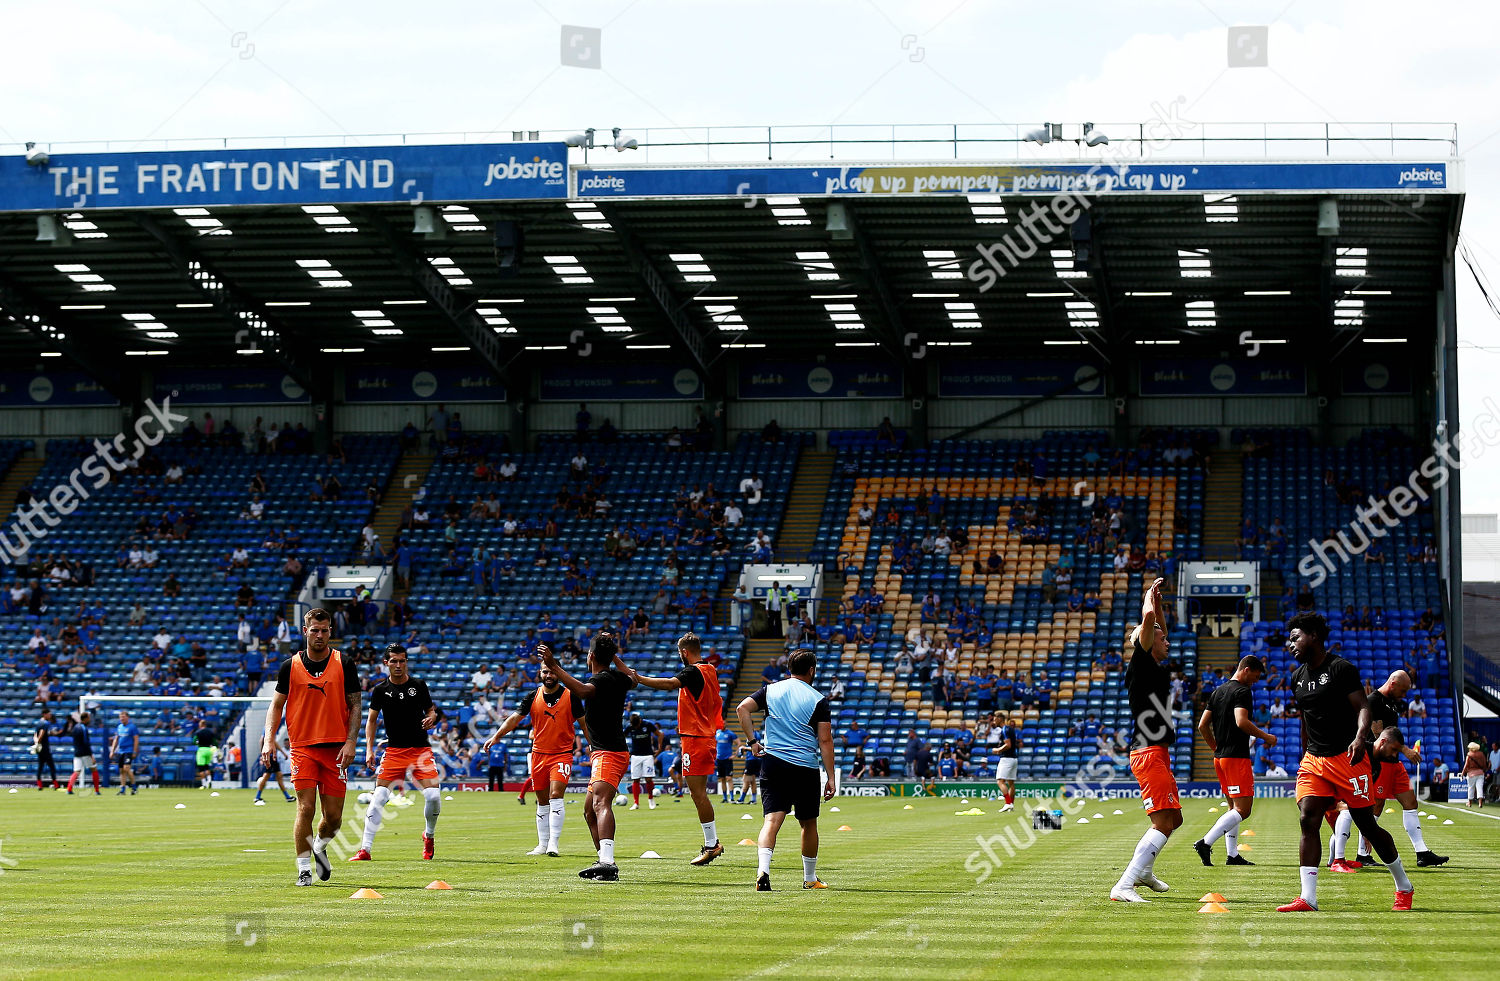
(240,311)
(458,308)
(890,326)
(662,294)
(54,329)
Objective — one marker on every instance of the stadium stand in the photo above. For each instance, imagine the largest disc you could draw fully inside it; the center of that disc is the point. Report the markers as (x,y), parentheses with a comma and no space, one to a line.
(140,509)
(1017,627)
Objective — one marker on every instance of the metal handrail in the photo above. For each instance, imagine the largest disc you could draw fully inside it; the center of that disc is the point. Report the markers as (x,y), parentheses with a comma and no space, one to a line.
(896,141)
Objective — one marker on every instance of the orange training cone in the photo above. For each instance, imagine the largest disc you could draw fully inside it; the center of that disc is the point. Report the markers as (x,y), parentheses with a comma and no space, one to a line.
(1212,897)
(845,827)
(438,884)
(746,841)
(1247,834)
(1246,848)
(1213,908)
(366,894)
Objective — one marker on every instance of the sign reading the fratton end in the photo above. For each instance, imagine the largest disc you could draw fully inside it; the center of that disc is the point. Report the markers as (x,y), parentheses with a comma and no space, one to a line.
(337,175)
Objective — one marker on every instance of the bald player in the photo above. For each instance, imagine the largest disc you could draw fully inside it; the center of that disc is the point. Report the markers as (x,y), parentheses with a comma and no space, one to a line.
(551,710)
(320,696)
(1226,729)
(1387,705)
(700,715)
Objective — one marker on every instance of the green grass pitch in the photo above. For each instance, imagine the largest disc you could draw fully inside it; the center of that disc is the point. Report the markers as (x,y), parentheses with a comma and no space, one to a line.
(134,887)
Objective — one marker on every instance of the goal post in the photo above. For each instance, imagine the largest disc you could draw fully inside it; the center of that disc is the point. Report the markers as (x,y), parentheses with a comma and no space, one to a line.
(161,718)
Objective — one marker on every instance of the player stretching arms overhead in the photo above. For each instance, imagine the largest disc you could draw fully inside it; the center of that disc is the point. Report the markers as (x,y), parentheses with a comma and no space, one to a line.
(409,713)
(320,696)
(603,709)
(1149,684)
(552,710)
(1336,764)
(1226,729)
(700,715)
(1391,783)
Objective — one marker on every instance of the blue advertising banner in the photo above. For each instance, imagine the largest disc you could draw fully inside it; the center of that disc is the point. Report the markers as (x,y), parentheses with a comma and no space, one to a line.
(375,384)
(340,175)
(584,381)
(228,386)
(54,388)
(1011,178)
(834,380)
(989,378)
(1232,376)
(1370,377)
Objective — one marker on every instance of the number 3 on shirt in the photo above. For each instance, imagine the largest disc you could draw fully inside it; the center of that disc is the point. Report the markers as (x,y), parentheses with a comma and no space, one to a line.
(1361,785)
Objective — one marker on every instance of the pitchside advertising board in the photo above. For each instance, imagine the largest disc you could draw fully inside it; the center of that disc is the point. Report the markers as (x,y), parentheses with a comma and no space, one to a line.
(338,175)
(1053,791)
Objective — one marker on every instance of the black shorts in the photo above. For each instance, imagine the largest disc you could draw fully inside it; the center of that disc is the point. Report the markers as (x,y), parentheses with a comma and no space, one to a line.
(786,786)
(275,766)
(724,768)
(127,759)
(752,766)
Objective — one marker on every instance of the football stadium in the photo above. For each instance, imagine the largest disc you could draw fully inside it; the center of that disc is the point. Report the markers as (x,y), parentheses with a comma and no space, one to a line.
(501,549)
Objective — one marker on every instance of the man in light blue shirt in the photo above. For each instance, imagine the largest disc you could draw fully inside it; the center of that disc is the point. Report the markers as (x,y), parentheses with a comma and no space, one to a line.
(798,739)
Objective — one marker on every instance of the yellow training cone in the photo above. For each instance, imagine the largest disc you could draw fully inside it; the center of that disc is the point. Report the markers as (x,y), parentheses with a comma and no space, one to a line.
(906,808)
(438,884)
(746,841)
(1212,897)
(845,827)
(1213,908)
(366,894)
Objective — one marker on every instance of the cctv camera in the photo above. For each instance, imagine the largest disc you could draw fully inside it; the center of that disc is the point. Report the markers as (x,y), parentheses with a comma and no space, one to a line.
(35,157)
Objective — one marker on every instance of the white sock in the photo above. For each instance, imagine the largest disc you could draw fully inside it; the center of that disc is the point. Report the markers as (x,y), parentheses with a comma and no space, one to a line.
(1339,843)
(1232,841)
(763,865)
(1227,824)
(710,834)
(555,823)
(1364,846)
(1310,884)
(1145,856)
(1403,884)
(304,862)
(374,816)
(809,868)
(320,845)
(543,832)
(433,808)
(607,851)
(1413,825)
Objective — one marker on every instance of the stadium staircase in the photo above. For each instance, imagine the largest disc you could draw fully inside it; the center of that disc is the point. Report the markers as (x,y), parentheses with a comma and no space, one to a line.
(799,532)
(1221,511)
(21,475)
(410,473)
